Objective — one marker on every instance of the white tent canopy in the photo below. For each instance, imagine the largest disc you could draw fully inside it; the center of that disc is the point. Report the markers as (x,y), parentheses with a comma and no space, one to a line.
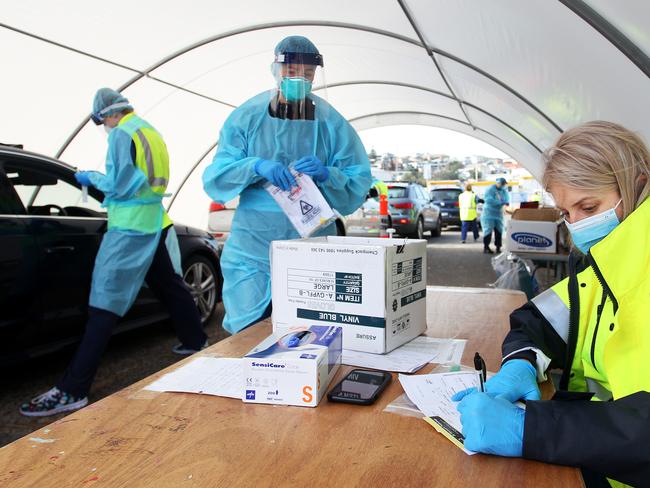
(513,74)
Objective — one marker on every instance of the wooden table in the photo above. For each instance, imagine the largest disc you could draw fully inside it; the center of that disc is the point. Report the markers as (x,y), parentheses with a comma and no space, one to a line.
(137,438)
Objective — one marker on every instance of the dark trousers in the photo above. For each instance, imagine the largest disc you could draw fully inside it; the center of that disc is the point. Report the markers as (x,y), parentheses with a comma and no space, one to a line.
(169,288)
(466,225)
(487,238)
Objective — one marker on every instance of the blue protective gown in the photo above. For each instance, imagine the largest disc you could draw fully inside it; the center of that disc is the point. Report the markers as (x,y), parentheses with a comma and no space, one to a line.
(124,256)
(251,134)
(492,215)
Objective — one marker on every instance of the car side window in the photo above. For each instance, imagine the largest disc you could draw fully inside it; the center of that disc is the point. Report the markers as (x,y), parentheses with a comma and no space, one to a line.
(10,203)
(43,193)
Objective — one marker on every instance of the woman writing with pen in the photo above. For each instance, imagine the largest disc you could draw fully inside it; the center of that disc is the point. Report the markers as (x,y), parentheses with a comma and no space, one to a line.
(594,326)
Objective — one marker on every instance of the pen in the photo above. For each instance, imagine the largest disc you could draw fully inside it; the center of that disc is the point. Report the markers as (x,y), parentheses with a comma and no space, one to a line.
(480,367)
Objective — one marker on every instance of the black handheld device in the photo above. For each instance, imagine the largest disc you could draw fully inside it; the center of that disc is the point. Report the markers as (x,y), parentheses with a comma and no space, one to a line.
(360,386)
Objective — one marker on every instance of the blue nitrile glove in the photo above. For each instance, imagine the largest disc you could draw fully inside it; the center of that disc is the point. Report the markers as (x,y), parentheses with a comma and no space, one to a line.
(314,167)
(277,173)
(492,425)
(83,177)
(516,380)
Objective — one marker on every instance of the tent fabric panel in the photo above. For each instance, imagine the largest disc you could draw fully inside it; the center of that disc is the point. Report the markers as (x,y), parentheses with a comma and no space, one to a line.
(632,20)
(474,88)
(356,101)
(236,68)
(42,103)
(546,53)
(138,33)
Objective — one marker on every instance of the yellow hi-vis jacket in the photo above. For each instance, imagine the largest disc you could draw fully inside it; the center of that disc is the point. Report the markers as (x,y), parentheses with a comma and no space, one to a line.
(143,213)
(467,204)
(595,325)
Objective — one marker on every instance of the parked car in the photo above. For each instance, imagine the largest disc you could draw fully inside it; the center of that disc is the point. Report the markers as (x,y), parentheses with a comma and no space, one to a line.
(49,238)
(412,211)
(447,200)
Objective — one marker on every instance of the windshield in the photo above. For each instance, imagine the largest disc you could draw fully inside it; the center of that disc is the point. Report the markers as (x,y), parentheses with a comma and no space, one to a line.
(397,192)
(445,194)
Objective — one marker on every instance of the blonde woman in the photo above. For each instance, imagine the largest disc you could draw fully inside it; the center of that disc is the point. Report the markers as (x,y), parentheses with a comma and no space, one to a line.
(594,326)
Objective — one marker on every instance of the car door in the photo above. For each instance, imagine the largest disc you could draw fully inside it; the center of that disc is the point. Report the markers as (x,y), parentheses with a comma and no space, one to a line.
(67,233)
(19,298)
(425,204)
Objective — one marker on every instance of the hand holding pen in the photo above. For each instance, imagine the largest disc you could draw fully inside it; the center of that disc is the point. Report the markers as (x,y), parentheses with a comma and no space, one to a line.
(481,369)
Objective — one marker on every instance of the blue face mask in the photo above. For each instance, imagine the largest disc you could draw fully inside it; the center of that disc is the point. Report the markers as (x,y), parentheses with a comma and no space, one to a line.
(587,232)
(294,89)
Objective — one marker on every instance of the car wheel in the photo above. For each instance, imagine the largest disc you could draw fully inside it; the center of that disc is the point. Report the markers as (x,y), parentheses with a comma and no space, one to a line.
(419,230)
(435,232)
(202,279)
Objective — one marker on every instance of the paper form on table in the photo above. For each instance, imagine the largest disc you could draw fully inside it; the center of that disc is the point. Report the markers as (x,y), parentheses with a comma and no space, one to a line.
(205,375)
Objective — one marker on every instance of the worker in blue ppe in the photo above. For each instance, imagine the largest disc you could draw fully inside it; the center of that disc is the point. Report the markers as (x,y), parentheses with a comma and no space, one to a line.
(134,249)
(496,197)
(285,126)
(590,332)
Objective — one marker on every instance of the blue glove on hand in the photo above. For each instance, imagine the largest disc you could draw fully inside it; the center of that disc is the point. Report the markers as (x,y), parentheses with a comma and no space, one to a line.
(314,167)
(83,177)
(492,425)
(277,173)
(516,380)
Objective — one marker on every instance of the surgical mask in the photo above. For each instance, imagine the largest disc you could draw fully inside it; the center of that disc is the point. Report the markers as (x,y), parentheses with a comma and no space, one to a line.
(107,129)
(587,232)
(294,89)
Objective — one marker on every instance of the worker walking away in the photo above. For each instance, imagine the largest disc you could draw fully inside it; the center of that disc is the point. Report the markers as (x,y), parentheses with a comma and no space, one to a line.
(467,204)
(282,127)
(496,197)
(132,250)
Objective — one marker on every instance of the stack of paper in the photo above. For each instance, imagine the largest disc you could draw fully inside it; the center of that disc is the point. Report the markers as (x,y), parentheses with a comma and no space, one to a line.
(399,360)
(445,351)
(207,375)
(432,394)
(410,357)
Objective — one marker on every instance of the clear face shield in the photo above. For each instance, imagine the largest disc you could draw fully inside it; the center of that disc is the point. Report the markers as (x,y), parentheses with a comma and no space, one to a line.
(299,82)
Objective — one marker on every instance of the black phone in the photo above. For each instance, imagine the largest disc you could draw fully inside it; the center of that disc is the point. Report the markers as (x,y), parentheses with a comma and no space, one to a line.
(360,386)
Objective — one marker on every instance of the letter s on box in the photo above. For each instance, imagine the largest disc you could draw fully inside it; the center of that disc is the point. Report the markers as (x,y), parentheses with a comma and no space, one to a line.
(307,395)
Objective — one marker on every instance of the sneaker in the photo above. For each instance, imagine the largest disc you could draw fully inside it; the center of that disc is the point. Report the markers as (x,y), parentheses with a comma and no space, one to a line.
(498,250)
(462,242)
(186,351)
(487,250)
(52,402)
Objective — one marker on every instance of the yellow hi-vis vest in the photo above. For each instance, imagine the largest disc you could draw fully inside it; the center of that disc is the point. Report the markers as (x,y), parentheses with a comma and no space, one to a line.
(613,345)
(145,212)
(467,204)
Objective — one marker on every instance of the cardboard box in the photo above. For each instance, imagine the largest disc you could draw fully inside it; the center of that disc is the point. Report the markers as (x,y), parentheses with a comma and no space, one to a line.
(294,368)
(533,230)
(374,288)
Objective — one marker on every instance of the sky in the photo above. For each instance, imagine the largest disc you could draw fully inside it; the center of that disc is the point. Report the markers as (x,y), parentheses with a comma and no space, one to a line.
(403,140)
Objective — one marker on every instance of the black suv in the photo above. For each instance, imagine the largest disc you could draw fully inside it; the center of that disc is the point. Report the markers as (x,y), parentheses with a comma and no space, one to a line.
(48,241)
(447,200)
(411,210)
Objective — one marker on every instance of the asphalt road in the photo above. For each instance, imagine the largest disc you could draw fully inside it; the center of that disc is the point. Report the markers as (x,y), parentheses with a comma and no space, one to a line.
(134,355)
